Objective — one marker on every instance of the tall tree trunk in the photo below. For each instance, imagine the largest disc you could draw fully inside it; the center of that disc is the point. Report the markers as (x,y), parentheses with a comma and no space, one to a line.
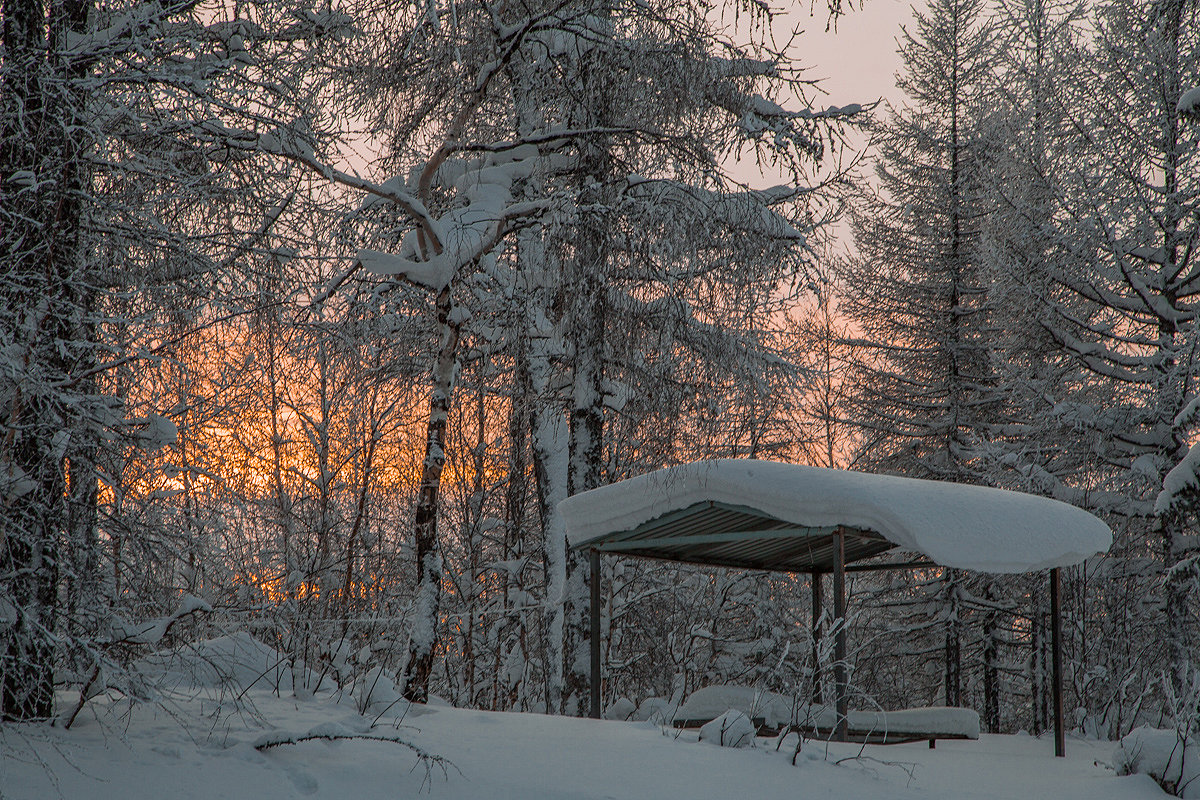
(953,646)
(1036,664)
(423,641)
(585,470)
(475,526)
(991,666)
(550,444)
(589,272)
(40,109)
(516,494)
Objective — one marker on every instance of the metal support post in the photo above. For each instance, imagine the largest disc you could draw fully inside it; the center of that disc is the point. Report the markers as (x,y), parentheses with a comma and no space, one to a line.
(839,637)
(595,633)
(1060,734)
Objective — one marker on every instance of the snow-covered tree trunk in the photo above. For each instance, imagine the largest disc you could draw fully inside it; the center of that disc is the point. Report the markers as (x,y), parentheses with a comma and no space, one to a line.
(585,470)
(550,456)
(588,273)
(517,629)
(425,618)
(41,209)
(990,630)
(1038,669)
(952,650)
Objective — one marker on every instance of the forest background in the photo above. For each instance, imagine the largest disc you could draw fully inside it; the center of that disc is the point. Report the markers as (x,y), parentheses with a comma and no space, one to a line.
(313,314)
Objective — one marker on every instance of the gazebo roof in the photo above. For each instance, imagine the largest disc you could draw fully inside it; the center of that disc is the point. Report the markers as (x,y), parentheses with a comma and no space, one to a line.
(776,516)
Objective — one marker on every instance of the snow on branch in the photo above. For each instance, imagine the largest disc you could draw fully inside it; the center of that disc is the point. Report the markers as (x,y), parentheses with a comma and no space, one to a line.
(467,232)
(1098,358)
(1181,484)
(553,138)
(750,211)
(512,39)
(152,631)
(758,116)
(1189,415)
(1189,103)
(291,145)
(236,37)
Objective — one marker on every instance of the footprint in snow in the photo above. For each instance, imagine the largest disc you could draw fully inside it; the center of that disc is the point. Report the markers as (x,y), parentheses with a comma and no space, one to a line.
(303,780)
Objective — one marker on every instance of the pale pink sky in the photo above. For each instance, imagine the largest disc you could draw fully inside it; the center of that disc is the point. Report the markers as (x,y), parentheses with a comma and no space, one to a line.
(858,61)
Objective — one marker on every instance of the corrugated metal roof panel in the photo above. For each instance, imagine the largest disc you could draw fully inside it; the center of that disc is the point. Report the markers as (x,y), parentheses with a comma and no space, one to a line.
(723,535)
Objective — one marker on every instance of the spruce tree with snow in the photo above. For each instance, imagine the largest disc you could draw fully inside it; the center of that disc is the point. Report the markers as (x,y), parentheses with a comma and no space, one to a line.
(1129,215)
(1057,419)
(924,388)
(1040,56)
(1031,447)
(916,288)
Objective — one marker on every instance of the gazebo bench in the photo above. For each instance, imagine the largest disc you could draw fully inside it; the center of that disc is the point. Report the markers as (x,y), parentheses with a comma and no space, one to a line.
(869,727)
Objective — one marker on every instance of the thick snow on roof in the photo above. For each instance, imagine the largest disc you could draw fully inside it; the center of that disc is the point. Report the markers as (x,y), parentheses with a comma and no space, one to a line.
(956,525)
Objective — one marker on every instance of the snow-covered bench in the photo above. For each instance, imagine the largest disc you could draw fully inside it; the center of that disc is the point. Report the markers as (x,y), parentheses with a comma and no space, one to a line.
(767,710)
(771,713)
(896,727)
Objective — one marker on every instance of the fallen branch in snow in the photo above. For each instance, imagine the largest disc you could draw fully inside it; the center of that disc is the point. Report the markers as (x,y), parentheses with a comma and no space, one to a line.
(332,733)
(909,767)
(83,697)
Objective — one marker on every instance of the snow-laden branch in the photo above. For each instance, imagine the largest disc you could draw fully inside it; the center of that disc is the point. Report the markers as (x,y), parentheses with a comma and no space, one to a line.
(468,232)
(751,211)
(1102,360)
(152,631)
(293,147)
(236,37)
(512,41)
(1181,484)
(1189,103)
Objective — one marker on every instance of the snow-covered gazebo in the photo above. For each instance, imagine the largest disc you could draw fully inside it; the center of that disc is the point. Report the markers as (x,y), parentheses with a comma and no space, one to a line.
(785,517)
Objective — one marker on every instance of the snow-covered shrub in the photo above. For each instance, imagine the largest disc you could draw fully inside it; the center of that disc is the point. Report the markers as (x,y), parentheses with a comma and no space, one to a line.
(622,709)
(376,692)
(1172,760)
(731,729)
(234,662)
(653,709)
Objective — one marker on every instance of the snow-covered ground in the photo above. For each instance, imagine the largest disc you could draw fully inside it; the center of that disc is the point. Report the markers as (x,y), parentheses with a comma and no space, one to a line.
(199,748)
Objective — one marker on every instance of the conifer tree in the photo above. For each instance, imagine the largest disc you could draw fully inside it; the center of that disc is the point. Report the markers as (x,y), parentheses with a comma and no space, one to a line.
(1128,231)
(925,394)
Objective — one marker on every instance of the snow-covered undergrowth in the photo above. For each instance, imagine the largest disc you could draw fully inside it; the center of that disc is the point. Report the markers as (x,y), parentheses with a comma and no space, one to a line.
(731,729)
(265,743)
(1164,755)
